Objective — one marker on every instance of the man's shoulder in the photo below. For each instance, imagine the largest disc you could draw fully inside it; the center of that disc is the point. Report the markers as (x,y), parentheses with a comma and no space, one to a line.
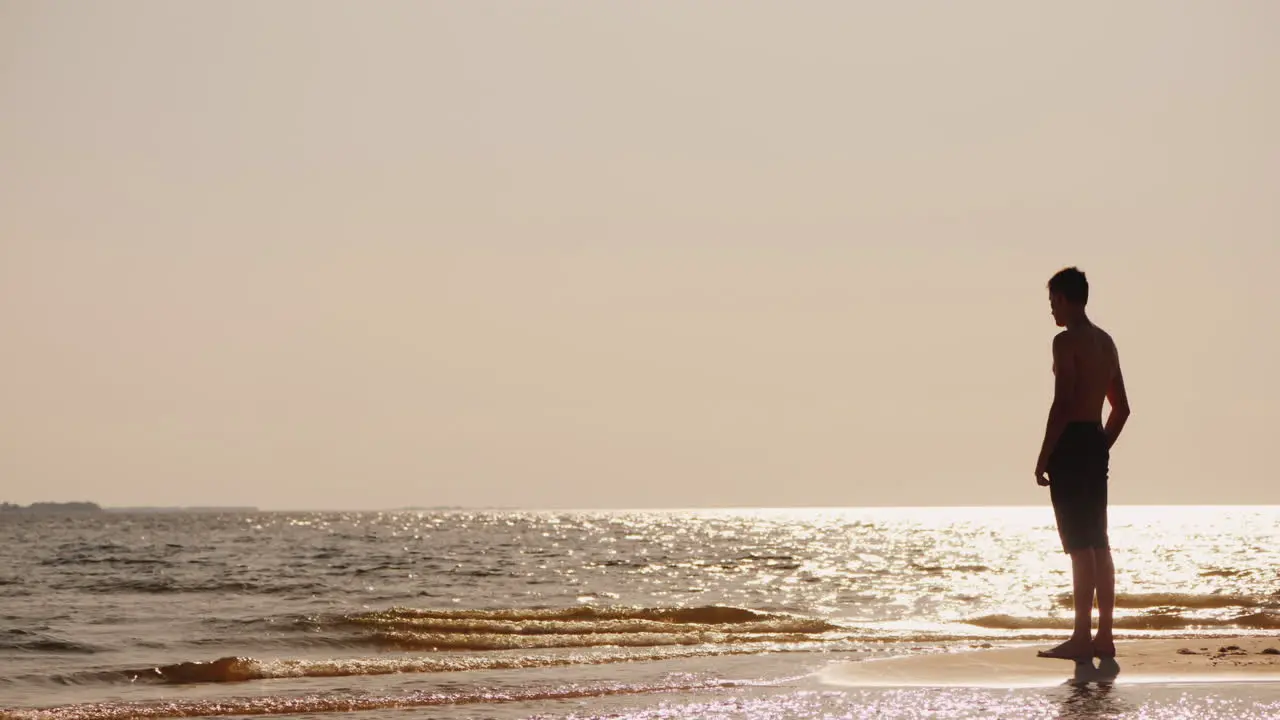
(1104,336)
(1068,337)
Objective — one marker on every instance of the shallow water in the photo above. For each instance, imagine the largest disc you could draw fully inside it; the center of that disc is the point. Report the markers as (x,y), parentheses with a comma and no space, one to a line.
(519,614)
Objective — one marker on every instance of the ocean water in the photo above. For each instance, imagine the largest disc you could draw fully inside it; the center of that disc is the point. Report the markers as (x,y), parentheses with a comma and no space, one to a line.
(557,614)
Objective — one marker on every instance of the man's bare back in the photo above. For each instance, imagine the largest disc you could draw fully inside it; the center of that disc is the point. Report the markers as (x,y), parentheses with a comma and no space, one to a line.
(1087,363)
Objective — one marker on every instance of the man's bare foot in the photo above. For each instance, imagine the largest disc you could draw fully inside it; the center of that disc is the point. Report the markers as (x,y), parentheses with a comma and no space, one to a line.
(1073,649)
(1104,648)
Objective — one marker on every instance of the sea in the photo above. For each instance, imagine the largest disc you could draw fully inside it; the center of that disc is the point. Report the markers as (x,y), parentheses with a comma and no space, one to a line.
(647,614)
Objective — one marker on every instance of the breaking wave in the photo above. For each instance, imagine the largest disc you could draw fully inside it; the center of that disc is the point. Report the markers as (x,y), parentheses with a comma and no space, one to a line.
(242,669)
(1190,601)
(614,634)
(578,627)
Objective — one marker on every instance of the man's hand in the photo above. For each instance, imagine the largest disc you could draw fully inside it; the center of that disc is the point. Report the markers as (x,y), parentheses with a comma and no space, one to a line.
(1042,467)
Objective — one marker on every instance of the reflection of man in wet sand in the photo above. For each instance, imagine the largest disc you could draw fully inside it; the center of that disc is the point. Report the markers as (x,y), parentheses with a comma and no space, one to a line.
(1076,454)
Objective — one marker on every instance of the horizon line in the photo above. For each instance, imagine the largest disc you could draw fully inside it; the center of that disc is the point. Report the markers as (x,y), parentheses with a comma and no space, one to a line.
(679,508)
(646,508)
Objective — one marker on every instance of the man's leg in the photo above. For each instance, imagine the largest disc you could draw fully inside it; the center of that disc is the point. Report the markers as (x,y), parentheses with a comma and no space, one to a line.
(1080,645)
(1105,580)
(1084,581)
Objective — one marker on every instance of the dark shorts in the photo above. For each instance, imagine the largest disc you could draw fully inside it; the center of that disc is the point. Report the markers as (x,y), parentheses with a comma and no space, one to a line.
(1078,486)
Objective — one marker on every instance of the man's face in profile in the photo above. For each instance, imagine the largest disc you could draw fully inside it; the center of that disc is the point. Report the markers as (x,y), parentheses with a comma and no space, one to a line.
(1058,306)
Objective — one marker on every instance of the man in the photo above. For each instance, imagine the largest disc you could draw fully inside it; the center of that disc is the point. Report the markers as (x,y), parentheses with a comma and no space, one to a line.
(1075,457)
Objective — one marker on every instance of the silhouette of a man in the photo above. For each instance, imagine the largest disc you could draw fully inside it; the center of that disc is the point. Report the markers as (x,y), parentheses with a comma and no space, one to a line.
(1075,457)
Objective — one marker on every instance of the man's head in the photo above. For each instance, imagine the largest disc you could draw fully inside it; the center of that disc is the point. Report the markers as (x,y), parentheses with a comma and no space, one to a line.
(1068,294)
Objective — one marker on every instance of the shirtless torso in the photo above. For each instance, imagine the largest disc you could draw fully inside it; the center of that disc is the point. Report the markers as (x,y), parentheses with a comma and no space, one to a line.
(1086,366)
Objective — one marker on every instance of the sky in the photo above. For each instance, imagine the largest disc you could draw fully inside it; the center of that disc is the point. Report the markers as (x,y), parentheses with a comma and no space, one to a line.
(573,254)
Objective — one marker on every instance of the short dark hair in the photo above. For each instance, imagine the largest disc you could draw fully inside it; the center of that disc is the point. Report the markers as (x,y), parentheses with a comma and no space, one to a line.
(1071,284)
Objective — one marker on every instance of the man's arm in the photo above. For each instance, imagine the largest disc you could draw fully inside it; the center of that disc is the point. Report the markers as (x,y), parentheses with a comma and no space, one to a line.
(1119,400)
(1064,383)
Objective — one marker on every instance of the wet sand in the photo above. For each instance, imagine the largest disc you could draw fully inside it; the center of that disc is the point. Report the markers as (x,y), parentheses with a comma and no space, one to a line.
(1238,659)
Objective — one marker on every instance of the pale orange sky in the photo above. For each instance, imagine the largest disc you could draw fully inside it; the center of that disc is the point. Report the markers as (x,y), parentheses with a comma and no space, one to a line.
(650,254)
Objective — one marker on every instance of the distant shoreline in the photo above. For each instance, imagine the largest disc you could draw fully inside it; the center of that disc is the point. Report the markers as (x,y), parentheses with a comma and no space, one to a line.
(41,508)
(191,509)
(62,508)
